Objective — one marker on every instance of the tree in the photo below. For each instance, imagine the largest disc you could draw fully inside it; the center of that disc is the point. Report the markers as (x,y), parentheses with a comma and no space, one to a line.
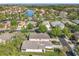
(23,30)
(73,27)
(67,32)
(29,26)
(76,27)
(14,22)
(73,15)
(1,26)
(77,49)
(42,28)
(12,47)
(57,50)
(56,31)
(7,49)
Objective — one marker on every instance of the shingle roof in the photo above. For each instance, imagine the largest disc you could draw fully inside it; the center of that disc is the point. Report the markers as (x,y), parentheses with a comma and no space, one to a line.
(57,23)
(35,44)
(39,36)
(76,34)
(6,36)
(76,21)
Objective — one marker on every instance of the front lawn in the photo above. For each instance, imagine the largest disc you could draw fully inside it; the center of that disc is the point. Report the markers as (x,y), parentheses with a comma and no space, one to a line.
(42,54)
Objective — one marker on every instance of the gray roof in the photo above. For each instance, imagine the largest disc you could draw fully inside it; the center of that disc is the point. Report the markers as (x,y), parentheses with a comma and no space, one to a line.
(35,44)
(57,23)
(39,36)
(6,36)
(76,21)
(76,34)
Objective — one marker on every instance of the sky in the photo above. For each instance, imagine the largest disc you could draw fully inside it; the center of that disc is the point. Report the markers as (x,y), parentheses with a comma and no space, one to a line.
(38,1)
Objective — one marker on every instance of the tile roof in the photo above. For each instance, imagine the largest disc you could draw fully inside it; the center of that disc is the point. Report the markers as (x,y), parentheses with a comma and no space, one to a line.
(39,36)
(6,36)
(57,23)
(35,44)
(76,21)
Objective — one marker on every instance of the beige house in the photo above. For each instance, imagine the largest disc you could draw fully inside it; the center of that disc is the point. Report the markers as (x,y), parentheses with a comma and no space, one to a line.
(21,24)
(7,24)
(47,24)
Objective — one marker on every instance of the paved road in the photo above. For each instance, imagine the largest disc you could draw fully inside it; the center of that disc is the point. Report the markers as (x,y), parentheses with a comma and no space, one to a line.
(32,30)
(64,43)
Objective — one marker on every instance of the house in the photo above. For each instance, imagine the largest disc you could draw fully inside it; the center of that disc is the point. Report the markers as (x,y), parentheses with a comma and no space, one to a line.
(7,24)
(35,46)
(42,12)
(76,35)
(39,37)
(21,24)
(5,37)
(38,42)
(63,14)
(76,21)
(47,24)
(31,22)
(57,23)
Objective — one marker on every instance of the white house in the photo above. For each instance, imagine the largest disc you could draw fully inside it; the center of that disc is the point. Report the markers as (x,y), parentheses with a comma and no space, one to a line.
(47,24)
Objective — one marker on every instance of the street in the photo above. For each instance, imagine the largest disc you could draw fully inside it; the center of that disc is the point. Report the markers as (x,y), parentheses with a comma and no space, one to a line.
(64,43)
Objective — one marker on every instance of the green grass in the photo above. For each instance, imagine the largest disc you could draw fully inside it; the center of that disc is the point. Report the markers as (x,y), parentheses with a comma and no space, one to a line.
(42,54)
